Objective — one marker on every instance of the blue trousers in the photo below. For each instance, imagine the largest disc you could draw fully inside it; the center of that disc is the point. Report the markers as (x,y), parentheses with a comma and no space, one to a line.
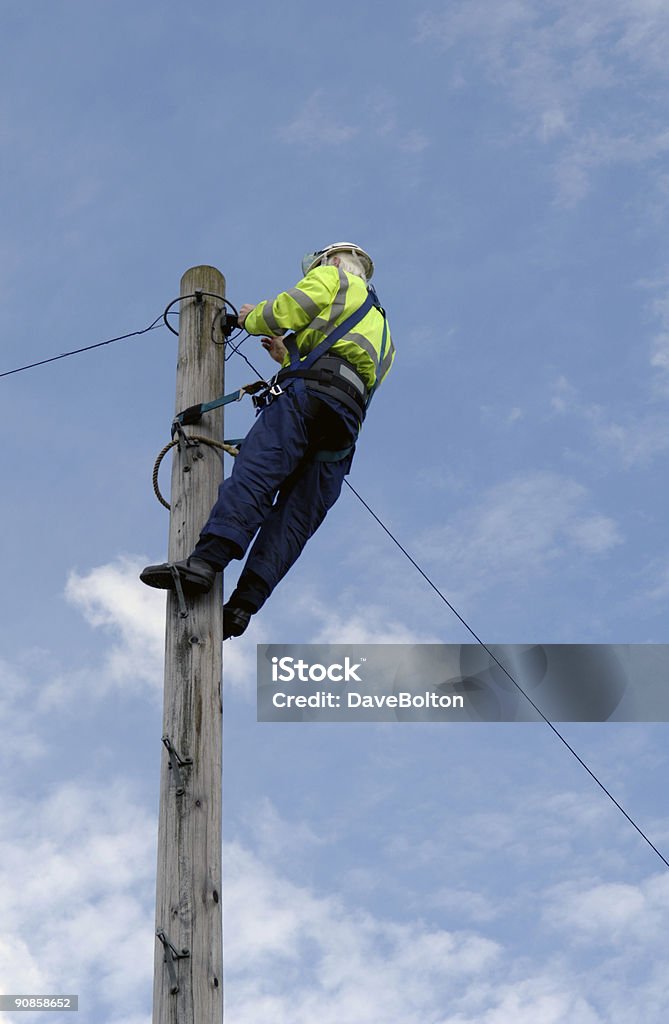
(278,490)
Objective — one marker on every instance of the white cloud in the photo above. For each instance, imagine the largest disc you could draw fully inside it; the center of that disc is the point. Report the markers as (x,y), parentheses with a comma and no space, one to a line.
(111,597)
(274,837)
(21,740)
(546,998)
(564,395)
(77,875)
(326,618)
(638,440)
(612,914)
(639,437)
(466,904)
(530,828)
(297,956)
(593,535)
(368,625)
(659,309)
(294,955)
(317,125)
(658,589)
(414,141)
(660,356)
(555,61)
(517,529)
(553,124)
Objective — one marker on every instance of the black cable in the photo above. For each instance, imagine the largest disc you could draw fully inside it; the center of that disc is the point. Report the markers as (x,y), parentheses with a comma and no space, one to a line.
(236,350)
(77,351)
(508,675)
(248,361)
(497,661)
(234,346)
(198,295)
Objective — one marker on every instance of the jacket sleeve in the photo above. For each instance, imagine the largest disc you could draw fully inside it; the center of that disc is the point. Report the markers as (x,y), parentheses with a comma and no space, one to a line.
(296,308)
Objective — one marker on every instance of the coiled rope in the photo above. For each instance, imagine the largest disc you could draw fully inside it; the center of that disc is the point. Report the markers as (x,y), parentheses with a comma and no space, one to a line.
(197,439)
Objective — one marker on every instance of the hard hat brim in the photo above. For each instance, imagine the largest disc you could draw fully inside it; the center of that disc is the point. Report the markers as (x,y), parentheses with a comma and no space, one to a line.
(312,259)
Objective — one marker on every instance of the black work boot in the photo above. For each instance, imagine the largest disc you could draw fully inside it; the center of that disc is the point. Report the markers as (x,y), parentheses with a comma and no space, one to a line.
(235,620)
(196,575)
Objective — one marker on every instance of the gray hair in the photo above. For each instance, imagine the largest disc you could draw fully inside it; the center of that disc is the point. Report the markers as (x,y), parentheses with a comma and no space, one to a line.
(349,261)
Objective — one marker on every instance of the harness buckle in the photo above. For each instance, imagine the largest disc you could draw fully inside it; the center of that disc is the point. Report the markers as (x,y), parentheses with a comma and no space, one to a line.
(270,390)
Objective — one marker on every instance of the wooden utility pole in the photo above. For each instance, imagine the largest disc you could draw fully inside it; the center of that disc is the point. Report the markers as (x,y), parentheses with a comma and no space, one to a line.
(188,975)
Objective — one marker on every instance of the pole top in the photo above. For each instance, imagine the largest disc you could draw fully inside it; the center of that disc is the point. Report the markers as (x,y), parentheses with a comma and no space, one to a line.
(209,279)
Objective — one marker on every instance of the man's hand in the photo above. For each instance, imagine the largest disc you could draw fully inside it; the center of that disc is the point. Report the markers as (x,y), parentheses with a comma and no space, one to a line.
(275,347)
(244,312)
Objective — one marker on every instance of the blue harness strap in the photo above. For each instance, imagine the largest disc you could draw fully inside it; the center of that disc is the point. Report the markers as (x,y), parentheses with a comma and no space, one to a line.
(194,413)
(296,367)
(296,363)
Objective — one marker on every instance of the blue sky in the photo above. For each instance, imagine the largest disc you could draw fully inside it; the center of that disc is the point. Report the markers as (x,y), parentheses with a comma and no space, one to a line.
(506,164)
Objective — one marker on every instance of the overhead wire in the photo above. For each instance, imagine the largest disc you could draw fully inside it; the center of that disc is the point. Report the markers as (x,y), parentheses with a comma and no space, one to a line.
(499,664)
(236,351)
(131,334)
(86,348)
(506,672)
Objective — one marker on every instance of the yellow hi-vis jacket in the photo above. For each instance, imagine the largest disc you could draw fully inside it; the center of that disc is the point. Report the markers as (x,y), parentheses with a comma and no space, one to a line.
(314,307)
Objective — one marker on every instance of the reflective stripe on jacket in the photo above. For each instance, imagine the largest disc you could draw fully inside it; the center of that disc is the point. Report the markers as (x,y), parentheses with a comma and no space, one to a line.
(314,307)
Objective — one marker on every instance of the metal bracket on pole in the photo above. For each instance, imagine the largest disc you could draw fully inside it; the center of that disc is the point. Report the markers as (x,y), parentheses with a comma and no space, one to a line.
(183,440)
(171,956)
(177,762)
(183,607)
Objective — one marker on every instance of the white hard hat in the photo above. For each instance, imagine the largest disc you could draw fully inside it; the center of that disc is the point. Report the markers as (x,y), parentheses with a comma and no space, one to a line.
(314,259)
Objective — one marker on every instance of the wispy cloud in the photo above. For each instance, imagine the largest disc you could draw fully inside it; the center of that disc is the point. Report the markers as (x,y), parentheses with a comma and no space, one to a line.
(76,873)
(635,439)
(659,312)
(638,441)
(558,63)
(297,955)
(22,741)
(317,124)
(518,529)
(612,914)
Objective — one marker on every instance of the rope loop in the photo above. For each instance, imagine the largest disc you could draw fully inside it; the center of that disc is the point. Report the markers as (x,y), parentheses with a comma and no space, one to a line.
(229,448)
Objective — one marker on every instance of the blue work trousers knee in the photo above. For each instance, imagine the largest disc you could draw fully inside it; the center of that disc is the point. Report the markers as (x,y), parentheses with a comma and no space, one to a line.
(278,487)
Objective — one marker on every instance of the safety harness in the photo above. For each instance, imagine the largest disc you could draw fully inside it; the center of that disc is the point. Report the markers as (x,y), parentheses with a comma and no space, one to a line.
(332,373)
(327,374)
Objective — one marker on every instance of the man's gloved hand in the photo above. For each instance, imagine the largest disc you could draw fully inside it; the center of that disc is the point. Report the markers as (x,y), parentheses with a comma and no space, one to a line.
(275,347)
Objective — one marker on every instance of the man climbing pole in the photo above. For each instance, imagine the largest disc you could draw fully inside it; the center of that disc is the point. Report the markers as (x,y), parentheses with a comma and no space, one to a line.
(331,337)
